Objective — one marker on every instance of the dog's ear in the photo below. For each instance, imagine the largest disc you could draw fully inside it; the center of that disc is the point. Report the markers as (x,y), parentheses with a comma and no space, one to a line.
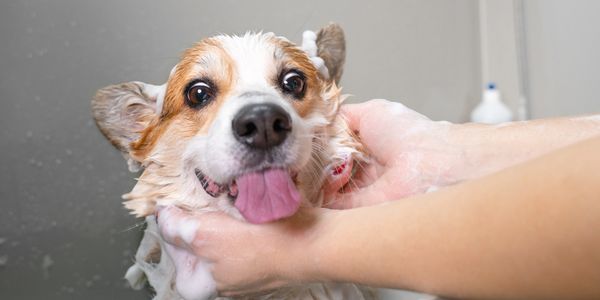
(123,111)
(331,47)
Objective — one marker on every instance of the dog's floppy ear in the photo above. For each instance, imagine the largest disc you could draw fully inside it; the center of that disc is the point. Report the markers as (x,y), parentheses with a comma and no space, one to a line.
(331,47)
(123,111)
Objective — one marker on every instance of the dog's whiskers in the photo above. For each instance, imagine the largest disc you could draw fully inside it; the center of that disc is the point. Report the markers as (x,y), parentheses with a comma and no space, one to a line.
(134,226)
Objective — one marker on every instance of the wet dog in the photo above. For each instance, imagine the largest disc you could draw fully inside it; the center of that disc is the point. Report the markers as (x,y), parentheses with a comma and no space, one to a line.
(247,125)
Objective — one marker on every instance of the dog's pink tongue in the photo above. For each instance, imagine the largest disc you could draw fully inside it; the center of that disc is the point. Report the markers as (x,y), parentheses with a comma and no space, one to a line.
(267,196)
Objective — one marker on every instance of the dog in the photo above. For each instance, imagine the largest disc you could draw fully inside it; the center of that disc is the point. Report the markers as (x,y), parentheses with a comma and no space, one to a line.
(247,125)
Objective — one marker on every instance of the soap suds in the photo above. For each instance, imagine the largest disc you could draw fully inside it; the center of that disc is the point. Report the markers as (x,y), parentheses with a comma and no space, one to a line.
(193,280)
(309,45)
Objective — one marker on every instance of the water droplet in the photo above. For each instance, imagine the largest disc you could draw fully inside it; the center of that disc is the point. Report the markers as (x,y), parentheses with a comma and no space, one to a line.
(47,263)
(29,133)
(41,52)
(37,98)
(2,241)
(39,164)
(3,260)
(69,152)
(58,161)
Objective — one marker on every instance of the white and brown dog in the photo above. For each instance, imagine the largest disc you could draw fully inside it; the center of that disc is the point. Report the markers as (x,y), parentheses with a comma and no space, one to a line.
(247,125)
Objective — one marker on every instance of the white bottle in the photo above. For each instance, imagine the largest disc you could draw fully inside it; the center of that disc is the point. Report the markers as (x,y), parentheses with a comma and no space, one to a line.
(491,110)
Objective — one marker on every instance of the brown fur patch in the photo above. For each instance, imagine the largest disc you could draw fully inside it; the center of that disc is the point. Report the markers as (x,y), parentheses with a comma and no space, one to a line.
(295,58)
(153,256)
(206,60)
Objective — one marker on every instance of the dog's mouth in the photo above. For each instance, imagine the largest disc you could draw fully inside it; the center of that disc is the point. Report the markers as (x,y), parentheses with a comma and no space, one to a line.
(261,196)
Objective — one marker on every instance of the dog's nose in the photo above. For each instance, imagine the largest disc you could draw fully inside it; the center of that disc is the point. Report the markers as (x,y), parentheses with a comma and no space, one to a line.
(262,126)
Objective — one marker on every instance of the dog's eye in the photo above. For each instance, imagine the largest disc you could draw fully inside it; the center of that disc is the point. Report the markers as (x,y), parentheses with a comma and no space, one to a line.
(199,94)
(293,83)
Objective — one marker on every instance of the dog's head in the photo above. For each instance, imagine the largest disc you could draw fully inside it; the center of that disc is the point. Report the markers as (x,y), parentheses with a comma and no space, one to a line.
(244,122)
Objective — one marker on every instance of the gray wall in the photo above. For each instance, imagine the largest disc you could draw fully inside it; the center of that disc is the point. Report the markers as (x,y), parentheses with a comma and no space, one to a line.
(63,232)
(563,49)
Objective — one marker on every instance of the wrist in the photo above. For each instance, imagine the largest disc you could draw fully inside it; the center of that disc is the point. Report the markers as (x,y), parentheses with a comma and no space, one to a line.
(475,151)
(317,248)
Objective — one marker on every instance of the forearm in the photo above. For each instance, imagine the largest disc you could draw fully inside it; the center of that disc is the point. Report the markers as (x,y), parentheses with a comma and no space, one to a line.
(490,148)
(530,231)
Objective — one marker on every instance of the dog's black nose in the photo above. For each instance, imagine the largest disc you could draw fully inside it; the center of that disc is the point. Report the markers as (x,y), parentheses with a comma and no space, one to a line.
(262,126)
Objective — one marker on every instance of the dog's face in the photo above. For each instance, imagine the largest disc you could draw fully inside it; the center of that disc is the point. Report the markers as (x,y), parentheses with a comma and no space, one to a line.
(242,122)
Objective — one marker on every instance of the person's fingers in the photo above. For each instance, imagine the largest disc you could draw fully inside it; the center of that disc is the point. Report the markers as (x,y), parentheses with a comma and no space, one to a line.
(179,227)
(170,220)
(190,230)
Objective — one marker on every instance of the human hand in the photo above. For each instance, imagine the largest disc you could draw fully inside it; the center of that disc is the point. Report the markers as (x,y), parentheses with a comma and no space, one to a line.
(243,258)
(410,154)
